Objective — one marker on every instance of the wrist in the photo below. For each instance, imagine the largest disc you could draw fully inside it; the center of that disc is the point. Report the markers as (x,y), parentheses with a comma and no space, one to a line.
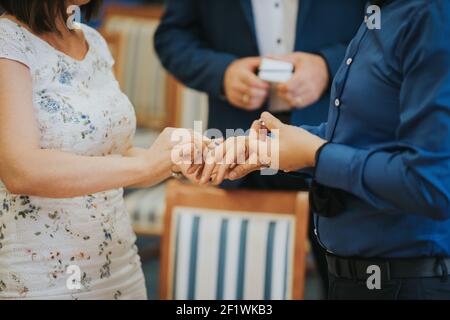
(140,169)
(154,167)
(314,150)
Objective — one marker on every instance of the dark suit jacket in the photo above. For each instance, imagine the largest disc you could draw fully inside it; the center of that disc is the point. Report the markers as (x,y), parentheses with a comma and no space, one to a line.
(198,39)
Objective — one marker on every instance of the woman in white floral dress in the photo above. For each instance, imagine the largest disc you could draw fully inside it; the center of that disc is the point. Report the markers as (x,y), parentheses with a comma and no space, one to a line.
(66,134)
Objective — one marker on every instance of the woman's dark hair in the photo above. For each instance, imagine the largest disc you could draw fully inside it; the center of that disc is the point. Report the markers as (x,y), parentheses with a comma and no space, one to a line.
(40,15)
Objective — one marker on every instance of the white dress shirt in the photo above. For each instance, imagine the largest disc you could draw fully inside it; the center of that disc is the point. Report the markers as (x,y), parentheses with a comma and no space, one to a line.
(276,28)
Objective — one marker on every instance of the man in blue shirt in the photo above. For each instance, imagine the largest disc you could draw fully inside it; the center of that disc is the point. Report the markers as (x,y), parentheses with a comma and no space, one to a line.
(382,162)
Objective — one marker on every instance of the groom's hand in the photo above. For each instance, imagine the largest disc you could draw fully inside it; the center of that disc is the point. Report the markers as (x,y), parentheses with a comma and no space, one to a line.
(296,149)
(242,87)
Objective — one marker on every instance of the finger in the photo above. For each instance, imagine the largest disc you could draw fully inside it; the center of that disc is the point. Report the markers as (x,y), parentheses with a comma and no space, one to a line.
(270,121)
(240,87)
(255,103)
(258,93)
(219,177)
(207,141)
(220,154)
(184,154)
(193,178)
(208,168)
(298,101)
(250,104)
(285,95)
(242,170)
(282,88)
(303,99)
(198,145)
(251,80)
(200,141)
(258,132)
(274,57)
(292,85)
(215,143)
(305,91)
(256,125)
(190,176)
(290,58)
(236,153)
(216,157)
(197,154)
(253,63)
(263,153)
(193,169)
(240,98)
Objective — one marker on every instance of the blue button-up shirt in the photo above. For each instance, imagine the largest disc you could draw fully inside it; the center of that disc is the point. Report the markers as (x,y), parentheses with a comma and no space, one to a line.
(389,128)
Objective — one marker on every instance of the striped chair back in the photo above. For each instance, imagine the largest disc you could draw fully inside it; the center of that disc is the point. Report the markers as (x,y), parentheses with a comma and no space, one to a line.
(233,245)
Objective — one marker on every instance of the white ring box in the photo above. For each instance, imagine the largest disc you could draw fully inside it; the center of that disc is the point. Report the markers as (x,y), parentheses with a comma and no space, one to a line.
(275,71)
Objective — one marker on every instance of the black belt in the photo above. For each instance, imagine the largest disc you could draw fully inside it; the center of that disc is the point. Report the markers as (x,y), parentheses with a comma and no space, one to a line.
(358,269)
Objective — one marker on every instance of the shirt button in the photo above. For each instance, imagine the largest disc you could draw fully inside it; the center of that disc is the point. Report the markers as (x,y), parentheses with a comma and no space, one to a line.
(337,102)
(349,61)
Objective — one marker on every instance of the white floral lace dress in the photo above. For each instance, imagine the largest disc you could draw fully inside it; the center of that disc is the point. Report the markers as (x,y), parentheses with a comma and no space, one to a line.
(45,242)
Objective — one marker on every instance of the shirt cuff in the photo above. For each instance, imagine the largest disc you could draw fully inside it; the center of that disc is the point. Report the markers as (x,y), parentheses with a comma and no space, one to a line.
(333,167)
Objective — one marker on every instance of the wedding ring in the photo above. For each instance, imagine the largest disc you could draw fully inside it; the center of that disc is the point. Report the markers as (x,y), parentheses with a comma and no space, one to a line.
(177,175)
(245,98)
(217,142)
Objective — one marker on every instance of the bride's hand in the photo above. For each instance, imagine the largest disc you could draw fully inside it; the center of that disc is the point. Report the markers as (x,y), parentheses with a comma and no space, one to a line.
(193,172)
(175,150)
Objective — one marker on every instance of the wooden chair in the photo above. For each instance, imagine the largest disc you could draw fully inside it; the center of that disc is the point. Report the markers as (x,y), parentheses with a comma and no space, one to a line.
(220,244)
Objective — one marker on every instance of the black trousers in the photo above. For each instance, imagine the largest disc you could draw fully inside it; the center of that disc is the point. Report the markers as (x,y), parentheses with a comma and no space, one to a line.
(394,289)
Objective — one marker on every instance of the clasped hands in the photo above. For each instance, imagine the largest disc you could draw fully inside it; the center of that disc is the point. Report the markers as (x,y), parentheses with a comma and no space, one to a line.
(245,90)
(269,144)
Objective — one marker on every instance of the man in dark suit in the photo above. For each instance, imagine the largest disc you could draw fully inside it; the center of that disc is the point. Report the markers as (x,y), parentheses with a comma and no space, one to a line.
(215,46)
